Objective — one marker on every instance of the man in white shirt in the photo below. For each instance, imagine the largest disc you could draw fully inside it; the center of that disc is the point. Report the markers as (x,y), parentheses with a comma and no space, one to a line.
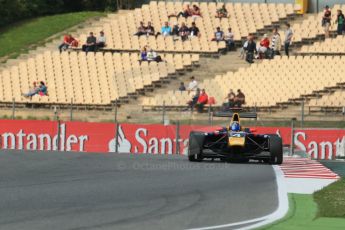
(101,40)
(229,39)
(193,85)
(151,55)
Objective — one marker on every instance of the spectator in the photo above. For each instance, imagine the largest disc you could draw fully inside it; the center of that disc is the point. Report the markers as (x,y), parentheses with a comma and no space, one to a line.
(194,30)
(68,41)
(263,46)
(326,20)
(222,12)
(182,87)
(288,39)
(41,90)
(175,30)
(183,31)
(251,49)
(196,12)
(276,42)
(193,84)
(150,30)
(166,29)
(240,99)
(187,12)
(218,35)
(340,21)
(229,39)
(152,56)
(191,104)
(90,43)
(230,100)
(202,101)
(244,48)
(143,54)
(101,41)
(141,30)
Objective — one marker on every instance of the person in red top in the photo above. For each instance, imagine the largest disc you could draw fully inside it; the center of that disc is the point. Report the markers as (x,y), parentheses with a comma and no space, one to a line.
(202,101)
(264,45)
(68,41)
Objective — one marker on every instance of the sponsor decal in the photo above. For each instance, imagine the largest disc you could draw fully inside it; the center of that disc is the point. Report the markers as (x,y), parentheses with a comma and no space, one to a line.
(153,139)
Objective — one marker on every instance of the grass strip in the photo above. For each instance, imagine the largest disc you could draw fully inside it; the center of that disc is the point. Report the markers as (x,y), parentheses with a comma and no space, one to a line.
(20,37)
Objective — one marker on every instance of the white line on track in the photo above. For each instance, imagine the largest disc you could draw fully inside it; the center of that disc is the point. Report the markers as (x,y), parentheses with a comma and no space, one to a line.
(283,207)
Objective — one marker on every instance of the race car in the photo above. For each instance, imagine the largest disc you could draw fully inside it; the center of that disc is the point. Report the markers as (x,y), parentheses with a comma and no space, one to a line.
(235,143)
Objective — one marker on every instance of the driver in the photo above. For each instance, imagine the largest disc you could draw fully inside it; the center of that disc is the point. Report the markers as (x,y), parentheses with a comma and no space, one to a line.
(235,126)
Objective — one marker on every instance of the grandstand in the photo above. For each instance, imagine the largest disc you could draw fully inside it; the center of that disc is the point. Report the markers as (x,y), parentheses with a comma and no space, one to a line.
(96,80)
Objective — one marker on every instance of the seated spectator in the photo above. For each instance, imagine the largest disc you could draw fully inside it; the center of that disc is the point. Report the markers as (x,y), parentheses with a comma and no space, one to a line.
(90,43)
(184,32)
(141,30)
(230,100)
(218,35)
(187,12)
(222,12)
(175,30)
(152,56)
(341,22)
(196,12)
(263,46)
(250,49)
(276,43)
(202,101)
(166,29)
(194,30)
(68,41)
(229,39)
(240,99)
(143,54)
(182,87)
(150,30)
(101,40)
(41,90)
(193,84)
(191,104)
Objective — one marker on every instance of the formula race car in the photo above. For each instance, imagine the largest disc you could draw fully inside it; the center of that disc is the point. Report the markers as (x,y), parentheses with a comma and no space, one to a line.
(235,143)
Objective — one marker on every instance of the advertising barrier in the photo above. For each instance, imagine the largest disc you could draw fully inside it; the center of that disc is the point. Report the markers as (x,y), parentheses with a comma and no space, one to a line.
(154,139)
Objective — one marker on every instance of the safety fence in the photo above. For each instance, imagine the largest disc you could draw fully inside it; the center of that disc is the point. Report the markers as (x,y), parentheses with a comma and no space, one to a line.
(153,139)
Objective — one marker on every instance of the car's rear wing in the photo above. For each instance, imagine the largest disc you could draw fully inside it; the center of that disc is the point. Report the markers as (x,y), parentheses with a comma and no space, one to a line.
(241,114)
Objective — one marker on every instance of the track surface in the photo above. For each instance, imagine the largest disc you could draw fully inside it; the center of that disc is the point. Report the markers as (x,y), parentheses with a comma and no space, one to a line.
(95,191)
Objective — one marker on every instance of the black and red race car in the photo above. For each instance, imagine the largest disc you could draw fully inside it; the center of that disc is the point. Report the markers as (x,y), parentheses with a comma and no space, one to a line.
(235,143)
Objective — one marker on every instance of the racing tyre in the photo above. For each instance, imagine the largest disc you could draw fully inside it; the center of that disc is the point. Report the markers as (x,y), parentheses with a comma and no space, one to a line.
(276,149)
(195,146)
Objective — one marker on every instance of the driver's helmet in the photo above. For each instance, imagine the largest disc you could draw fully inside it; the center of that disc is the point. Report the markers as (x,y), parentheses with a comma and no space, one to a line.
(235,126)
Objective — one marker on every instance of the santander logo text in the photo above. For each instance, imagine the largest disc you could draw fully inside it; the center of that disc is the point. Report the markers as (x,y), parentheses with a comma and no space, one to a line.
(43,141)
(146,140)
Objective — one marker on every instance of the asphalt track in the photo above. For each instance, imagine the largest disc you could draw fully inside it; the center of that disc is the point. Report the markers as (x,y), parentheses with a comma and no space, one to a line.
(50,190)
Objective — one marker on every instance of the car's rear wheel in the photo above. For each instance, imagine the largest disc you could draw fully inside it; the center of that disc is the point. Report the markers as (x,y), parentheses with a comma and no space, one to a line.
(195,147)
(276,149)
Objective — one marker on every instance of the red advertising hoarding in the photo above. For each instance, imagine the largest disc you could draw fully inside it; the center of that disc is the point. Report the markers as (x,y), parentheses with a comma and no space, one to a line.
(137,138)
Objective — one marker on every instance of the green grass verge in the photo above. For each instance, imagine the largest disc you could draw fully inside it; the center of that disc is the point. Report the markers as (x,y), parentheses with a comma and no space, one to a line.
(331,200)
(20,37)
(302,216)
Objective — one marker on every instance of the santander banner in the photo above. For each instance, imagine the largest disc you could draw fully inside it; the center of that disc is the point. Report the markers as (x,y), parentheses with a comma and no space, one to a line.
(141,139)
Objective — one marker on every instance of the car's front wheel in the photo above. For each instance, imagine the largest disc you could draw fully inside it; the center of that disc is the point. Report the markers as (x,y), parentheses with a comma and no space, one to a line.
(276,149)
